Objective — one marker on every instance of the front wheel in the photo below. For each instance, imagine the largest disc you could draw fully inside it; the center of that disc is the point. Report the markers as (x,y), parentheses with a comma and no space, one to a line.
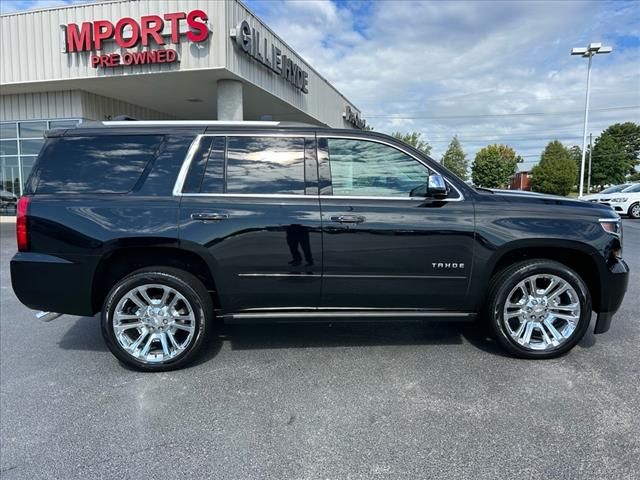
(156,318)
(538,309)
(634,210)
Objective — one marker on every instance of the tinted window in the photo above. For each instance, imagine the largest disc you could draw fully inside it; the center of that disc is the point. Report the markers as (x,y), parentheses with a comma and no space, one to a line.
(104,164)
(263,165)
(213,180)
(632,189)
(198,164)
(363,168)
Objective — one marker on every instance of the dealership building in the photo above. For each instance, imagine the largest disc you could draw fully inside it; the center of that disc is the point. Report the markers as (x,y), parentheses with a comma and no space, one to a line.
(151,60)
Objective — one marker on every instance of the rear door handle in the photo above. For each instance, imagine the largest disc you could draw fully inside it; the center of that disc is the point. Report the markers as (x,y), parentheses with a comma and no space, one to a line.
(204,216)
(348,219)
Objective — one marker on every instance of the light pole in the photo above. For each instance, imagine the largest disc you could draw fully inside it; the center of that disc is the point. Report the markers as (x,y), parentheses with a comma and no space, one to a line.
(591,50)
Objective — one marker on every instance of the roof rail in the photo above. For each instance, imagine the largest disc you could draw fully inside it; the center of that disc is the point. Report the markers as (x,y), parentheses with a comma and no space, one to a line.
(201,123)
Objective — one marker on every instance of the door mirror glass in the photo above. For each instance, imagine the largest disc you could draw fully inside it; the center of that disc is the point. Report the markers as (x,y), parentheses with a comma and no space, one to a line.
(435,187)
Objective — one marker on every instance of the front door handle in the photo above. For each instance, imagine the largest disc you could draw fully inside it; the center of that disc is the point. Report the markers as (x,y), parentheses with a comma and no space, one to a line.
(208,216)
(348,219)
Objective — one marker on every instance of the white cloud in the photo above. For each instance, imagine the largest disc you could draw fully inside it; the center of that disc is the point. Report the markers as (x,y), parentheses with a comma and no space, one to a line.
(8,6)
(399,61)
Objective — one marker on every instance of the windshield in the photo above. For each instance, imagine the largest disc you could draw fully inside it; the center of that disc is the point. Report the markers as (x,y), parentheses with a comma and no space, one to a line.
(615,188)
(632,189)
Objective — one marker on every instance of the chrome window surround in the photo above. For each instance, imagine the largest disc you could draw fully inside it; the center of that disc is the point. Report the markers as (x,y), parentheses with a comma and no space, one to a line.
(186,165)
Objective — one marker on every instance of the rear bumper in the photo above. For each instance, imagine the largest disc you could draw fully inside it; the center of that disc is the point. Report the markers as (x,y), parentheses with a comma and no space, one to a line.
(614,287)
(54,284)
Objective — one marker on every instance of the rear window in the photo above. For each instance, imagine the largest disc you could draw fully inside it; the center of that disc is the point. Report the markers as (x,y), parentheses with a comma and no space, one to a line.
(102,164)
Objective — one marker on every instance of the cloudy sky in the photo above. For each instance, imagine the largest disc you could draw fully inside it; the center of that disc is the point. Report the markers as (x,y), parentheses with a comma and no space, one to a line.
(486,71)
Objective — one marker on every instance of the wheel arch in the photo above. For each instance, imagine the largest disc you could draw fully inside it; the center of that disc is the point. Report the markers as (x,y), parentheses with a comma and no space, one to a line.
(580,257)
(119,262)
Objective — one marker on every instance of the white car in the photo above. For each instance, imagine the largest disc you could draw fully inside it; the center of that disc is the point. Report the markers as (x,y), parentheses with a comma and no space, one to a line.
(627,201)
(604,195)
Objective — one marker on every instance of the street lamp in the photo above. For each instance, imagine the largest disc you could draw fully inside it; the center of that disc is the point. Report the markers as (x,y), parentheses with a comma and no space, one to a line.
(591,50)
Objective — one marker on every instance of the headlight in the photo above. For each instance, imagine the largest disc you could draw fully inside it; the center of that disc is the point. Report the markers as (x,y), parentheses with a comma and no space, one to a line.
(621,200)
(611,225)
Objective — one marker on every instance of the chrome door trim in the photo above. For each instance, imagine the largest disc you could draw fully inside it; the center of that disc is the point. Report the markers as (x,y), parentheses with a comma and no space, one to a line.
(186,165)
(404,277)
(348,314)
(269,275)
(417,277)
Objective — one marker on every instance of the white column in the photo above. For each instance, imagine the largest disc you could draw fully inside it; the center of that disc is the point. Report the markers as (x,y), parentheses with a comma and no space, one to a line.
(230,100)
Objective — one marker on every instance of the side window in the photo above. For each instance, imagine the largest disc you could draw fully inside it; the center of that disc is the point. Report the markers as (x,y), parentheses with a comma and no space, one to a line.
(265,165)
(101,164)
(213,180)
(363,168)
(199,161)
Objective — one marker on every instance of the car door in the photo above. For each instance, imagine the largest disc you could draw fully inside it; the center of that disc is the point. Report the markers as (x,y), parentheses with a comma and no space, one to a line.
(250,203)
(383,248)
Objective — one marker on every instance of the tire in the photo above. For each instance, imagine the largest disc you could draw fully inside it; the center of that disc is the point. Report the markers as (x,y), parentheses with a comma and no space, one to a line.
(170,331)
(509,323)
(634,210)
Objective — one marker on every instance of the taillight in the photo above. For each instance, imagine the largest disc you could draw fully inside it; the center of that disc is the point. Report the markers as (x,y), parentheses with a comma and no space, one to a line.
(22,232)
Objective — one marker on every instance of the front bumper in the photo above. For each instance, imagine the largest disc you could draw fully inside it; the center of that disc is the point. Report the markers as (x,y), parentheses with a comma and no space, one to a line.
(53,284)
(618,207)
(613,289)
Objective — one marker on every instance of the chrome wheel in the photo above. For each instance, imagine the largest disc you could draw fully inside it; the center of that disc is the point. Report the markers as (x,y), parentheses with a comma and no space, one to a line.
(154,323)
(542,312)
(634,211)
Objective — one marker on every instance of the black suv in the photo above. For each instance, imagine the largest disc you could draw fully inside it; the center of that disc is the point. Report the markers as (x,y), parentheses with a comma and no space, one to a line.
(165,226)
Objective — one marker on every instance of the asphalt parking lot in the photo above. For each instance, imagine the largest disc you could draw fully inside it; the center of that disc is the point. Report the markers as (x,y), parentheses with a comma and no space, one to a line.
(319,402)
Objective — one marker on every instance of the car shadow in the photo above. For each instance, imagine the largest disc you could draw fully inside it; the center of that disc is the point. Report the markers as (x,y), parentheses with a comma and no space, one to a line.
(85,334)
(349,334)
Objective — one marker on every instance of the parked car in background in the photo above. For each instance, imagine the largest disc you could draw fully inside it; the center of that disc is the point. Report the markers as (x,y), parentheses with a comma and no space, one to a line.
(626,202)
(7,199)
(604,195)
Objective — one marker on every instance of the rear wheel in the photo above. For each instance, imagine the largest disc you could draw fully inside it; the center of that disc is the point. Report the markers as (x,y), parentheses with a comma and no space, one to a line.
(156,318)
(634,210)
(538,309)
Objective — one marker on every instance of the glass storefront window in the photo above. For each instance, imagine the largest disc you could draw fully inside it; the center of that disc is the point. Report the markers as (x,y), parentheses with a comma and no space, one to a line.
(20,143)
(8,130)
(63,123)
(8,147)
(32,129)
(9,161)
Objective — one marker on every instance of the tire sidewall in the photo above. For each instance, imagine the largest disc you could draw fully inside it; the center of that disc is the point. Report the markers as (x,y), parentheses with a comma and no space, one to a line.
(631,210)
(510,279)
(155,277)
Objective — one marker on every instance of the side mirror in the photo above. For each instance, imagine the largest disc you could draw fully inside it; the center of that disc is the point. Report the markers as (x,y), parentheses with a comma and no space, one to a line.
(436,187)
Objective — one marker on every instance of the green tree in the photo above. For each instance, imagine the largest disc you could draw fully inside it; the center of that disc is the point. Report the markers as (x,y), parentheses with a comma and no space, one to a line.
(556,172)
(616,153)
(415,140)
(494,166)
(456,160)
(576,154)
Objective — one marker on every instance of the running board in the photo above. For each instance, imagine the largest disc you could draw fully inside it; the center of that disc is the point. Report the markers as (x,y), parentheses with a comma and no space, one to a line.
(354,315)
